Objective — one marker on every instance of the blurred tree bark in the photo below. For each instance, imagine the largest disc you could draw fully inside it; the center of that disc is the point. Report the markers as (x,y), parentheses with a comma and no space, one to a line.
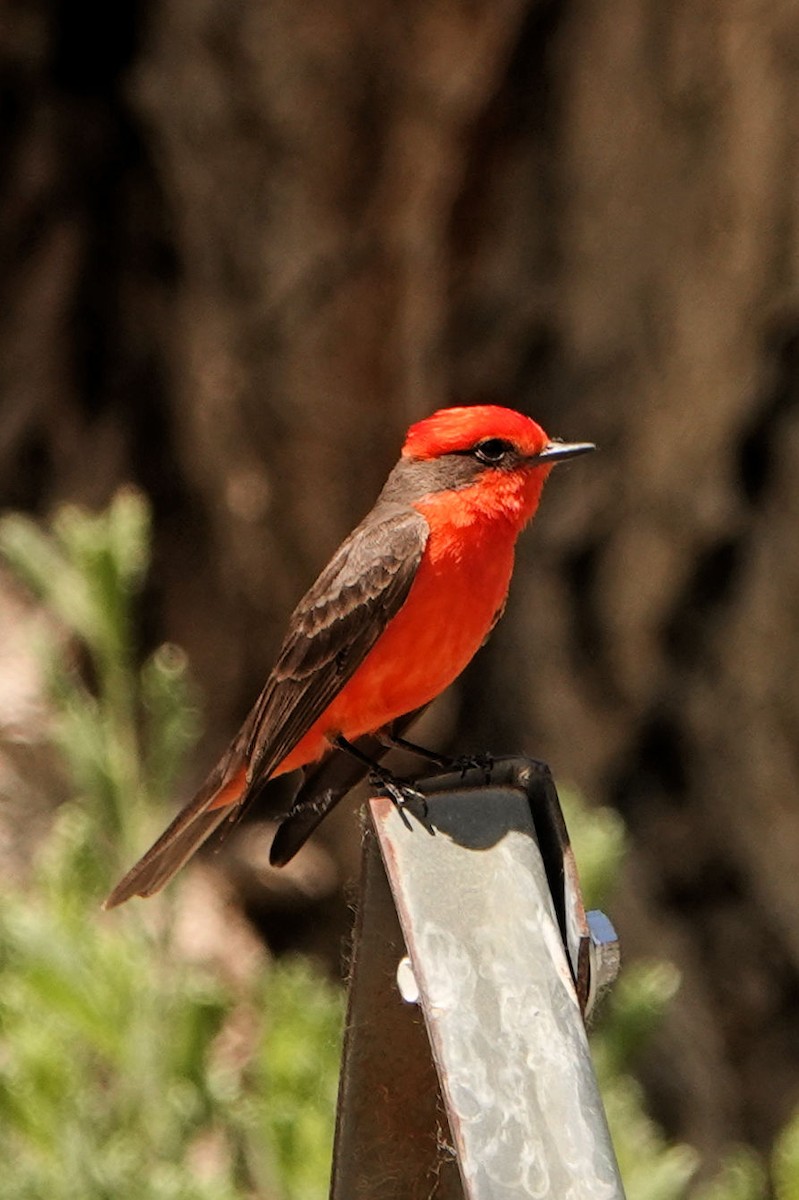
(245,242)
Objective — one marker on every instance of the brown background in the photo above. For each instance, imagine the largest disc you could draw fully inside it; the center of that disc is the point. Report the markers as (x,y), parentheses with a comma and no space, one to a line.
(245,242)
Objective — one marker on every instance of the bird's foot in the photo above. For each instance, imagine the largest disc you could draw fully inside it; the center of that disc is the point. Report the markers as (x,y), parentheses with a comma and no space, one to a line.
(399,791)
(474,762)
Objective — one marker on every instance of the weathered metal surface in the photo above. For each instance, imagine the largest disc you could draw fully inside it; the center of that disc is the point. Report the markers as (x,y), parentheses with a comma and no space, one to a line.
(498,995)
(392,1137)
(484,922)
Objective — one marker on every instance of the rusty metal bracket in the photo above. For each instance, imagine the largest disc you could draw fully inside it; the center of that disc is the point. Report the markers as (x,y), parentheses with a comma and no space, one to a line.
(466,1072)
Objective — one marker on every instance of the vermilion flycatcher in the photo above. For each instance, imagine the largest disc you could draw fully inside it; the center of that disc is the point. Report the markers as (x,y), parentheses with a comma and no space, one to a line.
(393,619)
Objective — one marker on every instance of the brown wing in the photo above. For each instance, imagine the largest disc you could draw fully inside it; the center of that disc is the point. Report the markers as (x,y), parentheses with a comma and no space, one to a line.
(333,629)
(330,633)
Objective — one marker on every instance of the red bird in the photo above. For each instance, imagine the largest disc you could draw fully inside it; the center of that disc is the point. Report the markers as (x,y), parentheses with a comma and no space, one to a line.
(393,619)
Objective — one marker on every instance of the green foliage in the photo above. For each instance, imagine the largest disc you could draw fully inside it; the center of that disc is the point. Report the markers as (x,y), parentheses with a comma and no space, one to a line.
(121,731)
(785,1168)
(632,1013)
(598,838)
(293,1079)
(651,1167)
(742,1177)
(116,1074)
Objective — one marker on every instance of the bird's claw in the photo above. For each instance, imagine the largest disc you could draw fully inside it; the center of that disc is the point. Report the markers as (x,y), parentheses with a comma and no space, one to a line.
(400,793)
(475,762)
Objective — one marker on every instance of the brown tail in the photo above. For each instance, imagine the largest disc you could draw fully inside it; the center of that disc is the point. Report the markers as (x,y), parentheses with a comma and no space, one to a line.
(324,784)
(190,828)
(222,797)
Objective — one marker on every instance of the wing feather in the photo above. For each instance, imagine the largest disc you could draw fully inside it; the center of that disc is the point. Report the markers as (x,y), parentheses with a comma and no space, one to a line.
(332,630)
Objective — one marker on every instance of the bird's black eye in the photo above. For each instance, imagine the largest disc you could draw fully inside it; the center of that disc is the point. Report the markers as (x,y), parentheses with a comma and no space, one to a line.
(493,450)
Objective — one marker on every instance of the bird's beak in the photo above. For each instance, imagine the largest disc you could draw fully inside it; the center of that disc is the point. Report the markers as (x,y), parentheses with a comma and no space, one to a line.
(555,452)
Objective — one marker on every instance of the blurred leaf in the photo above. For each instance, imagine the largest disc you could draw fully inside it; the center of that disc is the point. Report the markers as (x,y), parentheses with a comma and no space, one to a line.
(741,1178)
(39,562)
(650,1167)
(632,1013)
(171,723)
(296,1076)
(599,842)
(785,1163)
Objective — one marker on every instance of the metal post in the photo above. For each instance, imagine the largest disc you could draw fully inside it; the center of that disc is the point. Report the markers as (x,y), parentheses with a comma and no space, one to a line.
(491,1071)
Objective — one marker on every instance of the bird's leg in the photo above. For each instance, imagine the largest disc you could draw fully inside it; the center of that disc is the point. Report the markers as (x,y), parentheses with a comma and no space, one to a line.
(400,743)
(461,762)
(398,790)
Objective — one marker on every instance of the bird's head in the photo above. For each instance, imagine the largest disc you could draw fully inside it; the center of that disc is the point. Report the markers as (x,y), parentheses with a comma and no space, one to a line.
(497,457)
